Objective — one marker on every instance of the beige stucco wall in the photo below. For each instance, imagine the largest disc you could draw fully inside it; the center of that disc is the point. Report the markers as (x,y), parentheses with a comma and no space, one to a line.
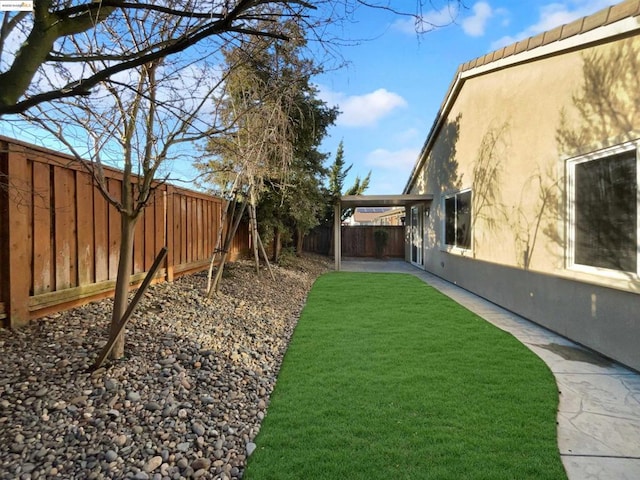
(504,137)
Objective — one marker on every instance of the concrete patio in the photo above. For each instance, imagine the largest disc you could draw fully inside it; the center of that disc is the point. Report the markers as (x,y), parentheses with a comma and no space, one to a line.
(599,409)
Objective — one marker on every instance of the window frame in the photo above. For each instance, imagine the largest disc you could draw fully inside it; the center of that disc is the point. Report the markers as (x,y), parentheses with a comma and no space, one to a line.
(449,247)
(571,211)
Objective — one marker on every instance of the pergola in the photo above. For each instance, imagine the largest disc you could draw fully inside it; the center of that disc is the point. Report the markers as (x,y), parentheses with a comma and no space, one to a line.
(354,201)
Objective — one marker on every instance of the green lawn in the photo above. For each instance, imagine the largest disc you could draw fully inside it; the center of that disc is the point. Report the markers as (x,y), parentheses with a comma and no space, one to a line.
(386,378)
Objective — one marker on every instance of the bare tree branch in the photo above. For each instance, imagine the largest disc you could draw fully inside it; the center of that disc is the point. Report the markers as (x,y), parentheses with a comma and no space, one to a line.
(49,26)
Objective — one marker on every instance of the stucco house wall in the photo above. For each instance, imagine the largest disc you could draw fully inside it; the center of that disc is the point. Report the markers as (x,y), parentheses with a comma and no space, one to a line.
(508,132)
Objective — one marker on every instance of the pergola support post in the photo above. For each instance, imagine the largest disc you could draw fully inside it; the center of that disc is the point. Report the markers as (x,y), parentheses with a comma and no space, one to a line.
(337,235)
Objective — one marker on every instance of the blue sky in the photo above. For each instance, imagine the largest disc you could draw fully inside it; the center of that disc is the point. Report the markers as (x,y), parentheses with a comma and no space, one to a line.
(394,84)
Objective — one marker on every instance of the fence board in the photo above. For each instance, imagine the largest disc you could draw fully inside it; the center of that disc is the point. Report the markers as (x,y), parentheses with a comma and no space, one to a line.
(115,190)
(184,258)
(28,239)
(4,235)
(176,207)
(217,227)
(191,226)
(43,263)
(149,239)
(159,224)
(86,261)
(199,230)
(100,236)
(138,245)
(169,223)
(207,209)
(18,235)
(64,227)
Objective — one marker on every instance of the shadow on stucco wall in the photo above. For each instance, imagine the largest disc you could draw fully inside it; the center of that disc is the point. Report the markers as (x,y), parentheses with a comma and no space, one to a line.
(606,109)
(440,176)
(605,112)
(530,220)
(537,211)
(487,177)
(442,168)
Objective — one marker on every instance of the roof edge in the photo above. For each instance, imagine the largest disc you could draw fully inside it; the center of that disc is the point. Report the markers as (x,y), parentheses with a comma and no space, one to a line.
(606,16)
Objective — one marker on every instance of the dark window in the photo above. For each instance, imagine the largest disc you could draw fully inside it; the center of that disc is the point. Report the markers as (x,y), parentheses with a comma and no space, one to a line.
(450,221)
(457,212)
(606,213)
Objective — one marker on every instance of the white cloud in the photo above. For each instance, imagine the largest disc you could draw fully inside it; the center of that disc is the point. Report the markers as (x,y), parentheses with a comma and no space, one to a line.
(475,25)
(363,110)
(399,159)
(553,15)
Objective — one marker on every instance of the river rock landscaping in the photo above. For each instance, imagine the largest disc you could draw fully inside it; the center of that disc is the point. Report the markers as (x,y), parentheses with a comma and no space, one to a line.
(186,402)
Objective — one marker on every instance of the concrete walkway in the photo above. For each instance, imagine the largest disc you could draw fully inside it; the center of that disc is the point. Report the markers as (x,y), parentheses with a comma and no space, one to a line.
(599,409)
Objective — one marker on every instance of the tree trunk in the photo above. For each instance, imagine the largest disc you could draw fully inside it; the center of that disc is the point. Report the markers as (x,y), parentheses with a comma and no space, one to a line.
(254,234)
(231,232)
(266,259)
(277,244)
(223,223)
(215,286)
(121,294)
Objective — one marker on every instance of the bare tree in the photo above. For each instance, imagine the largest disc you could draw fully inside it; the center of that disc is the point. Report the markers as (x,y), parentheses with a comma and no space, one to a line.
(136,122)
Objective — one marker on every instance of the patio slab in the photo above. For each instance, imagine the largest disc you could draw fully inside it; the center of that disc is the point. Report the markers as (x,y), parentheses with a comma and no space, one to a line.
(599,406)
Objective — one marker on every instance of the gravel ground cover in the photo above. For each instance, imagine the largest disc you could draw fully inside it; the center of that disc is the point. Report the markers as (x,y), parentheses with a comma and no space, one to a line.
(187,401)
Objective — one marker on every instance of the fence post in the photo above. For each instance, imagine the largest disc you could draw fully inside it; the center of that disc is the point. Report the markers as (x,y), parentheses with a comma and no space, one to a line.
(169,198)
(19,203)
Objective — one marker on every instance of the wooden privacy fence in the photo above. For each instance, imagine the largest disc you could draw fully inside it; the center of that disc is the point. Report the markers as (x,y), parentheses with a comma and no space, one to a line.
(357,241)
(59,238)
(318,240)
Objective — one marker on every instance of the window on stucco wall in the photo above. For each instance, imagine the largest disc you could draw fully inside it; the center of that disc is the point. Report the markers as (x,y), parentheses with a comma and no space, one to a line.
(457,220)
(603,211)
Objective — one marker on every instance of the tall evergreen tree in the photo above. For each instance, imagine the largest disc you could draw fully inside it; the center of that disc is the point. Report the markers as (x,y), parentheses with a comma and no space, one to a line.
(337,175)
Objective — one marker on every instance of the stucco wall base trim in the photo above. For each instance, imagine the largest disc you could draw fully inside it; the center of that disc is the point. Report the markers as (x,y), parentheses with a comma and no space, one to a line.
(600,318)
